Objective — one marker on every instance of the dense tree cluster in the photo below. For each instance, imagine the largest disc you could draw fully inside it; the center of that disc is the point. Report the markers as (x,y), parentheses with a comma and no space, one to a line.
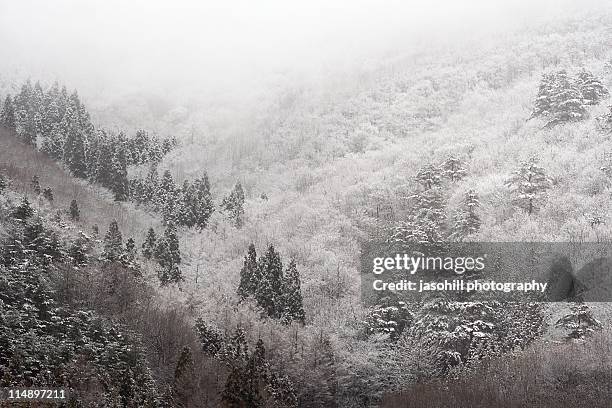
(59,124)
(48,344)
(426,221)
(189,205)
(276,290)
(562,98)
(251,382)
(166,253)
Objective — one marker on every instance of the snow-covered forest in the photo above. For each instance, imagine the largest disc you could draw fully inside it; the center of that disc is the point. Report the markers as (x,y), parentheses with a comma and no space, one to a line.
(160,248)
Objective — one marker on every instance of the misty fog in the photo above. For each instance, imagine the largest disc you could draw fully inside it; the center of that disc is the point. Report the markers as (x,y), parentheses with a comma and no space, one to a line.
(205,49)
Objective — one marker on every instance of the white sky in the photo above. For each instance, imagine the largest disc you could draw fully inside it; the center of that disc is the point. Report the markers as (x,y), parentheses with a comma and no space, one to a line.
(206,45)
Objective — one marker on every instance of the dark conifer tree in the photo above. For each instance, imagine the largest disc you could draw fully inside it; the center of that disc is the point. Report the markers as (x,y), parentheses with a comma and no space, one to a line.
(24,210)
(567,101)
(183,383)
(149,244)
(35,185)
(293,308)
(249,275)
(210,338)
(270,285)
(48,194)
(7,115)
(75,144)
(113,242)
(234,205)
(453,169)
(119,182)
(3,183)
(591,87)
(104,163)
(204,206)
(169,257)
(428,176)
(466,220)
(75,213)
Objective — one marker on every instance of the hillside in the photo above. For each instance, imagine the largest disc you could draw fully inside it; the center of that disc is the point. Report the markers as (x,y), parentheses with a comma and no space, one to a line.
(322,169)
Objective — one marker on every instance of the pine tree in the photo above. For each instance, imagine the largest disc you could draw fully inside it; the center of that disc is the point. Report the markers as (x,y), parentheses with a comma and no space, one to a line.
(428,176)
(466,220)
(169,257)
(119,182)
(269,287)
(53,143)
(166,197)
(104,174)
(234,205)
(293,309)
(244,385)
(580,321)
(75,144)
(543,105)
(249,274)
(24,210)
(75,214)
(567,101)
(149,244)
(113,242)
(203,203)
(453,169)
(529,183)
(210,338)
(7,115)
(3,183)
(35,185)
(591,87)
(183,383)
(48,194)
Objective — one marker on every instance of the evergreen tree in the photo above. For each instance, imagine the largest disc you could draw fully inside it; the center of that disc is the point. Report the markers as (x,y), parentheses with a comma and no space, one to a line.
(567,101)
(428,176)
(169,257)
(293,309)
(53,143)
(166,197)
(149,244)
(3,183)
(543,105)
(269,288)
(75,144)
(105,164)
(453,169)
(580,321)
(113,242)
(245,383)
(24,210)
(75,214)
(591,87)
(210,338)
(119,182)
(234,205)
(466,220)
(528,183)
(249,274)
(48,194)
(35,184)
(7,115)
(183,383)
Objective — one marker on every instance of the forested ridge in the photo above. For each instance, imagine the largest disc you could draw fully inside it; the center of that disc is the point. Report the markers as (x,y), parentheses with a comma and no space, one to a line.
(229,278)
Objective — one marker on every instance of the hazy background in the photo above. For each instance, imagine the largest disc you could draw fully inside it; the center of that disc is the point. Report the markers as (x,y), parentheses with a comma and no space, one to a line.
(201,49)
